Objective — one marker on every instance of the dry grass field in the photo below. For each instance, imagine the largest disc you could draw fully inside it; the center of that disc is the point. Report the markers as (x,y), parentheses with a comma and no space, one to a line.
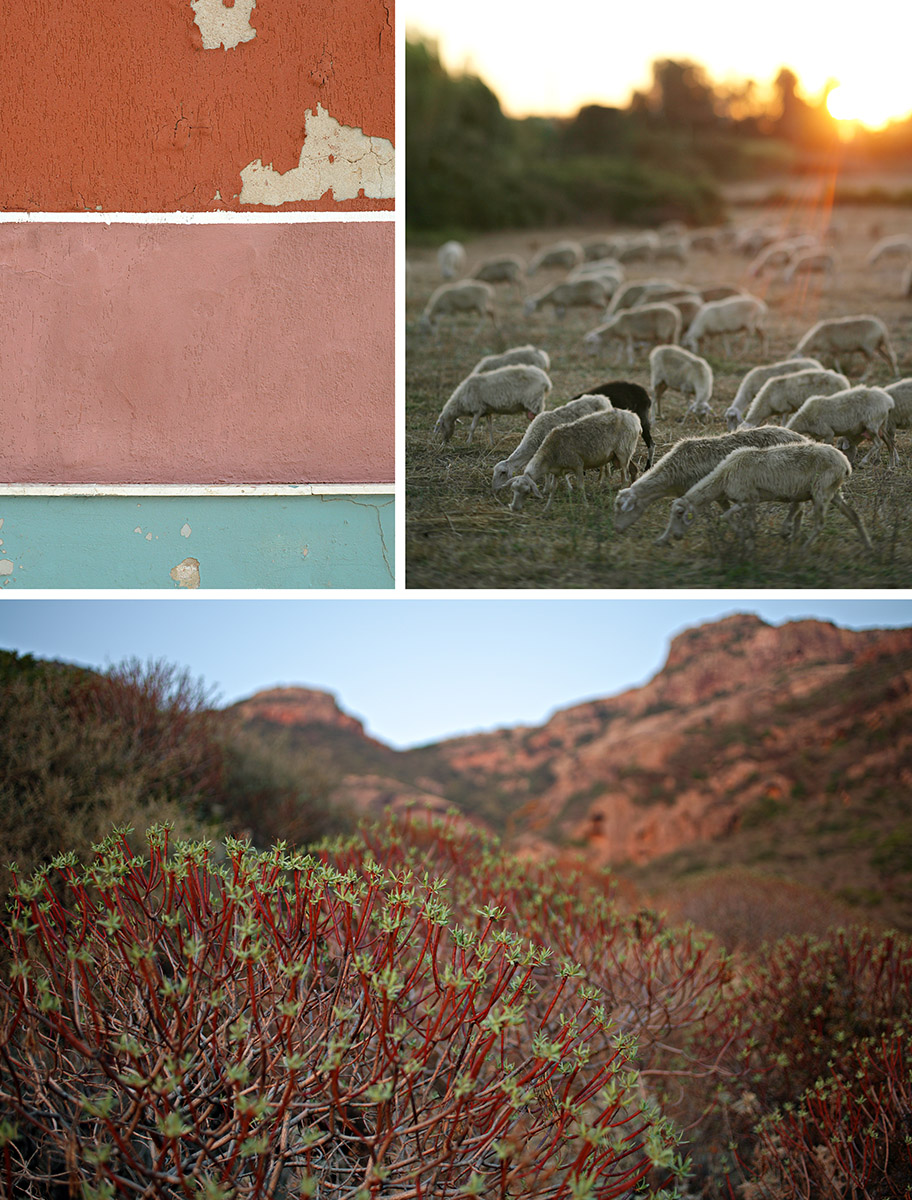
(461,535)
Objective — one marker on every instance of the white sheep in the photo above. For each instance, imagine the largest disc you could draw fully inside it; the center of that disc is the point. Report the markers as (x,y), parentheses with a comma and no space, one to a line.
(672,247)
(451,259)
(900,415)
(754,380)
(851,414)
(791,474)
(459,297)
(503,268)
(838,337)
(770,258)
(671,367)
(806,261)
(644,291)
(538,430)
(577,293)
(731,315)
(686,463)
(784,394)
(559,254)
(897,245)
(653,323)
(597,249)
(593,442)
(638,247)
(720,291)
(743,478)
(705,239)
(532,356)
(514,389)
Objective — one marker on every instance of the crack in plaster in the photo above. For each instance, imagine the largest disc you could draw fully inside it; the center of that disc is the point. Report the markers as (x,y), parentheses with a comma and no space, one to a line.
(223,26)
(333,157)
(384,552)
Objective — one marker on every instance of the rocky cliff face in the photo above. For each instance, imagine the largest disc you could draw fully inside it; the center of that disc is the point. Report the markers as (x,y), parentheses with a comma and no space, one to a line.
(743,717)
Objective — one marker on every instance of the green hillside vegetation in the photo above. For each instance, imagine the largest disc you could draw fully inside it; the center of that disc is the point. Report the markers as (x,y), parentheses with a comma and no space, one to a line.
(141,744)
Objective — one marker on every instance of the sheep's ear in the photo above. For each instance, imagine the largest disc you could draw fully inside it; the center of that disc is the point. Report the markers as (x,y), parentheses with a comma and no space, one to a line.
(535,491)
(625,501)
(688,516)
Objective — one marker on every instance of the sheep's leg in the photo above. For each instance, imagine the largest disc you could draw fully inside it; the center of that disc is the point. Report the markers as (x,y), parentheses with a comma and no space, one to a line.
(490,430)
(886,353)
(792,520)
(885,436)
(579,476)
(726,345)
(630,352)
(661,389)
(853,516)
(552,488)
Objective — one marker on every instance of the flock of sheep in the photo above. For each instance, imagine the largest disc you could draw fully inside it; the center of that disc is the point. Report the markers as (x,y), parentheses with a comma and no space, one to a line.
(805,458)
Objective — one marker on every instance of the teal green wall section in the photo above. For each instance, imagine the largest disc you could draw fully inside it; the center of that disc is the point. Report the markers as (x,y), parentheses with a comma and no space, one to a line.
(309,541)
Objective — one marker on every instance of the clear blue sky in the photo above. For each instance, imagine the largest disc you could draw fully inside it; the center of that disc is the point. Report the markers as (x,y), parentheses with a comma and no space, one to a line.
(413,669)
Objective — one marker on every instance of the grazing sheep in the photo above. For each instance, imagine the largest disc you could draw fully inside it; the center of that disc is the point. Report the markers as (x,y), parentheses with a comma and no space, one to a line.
(645,291)
(451,259)
(459,297)
(678,369)
(905,288)
(532,356)
(839,337)
(653,323)
(784,394)
(515,389)
(793,474)
(770,258)
(609,274)
(597,249)
(851,414)
(754,380)
(896,245)
(558,254)
(705,239)
(686,463)
(637,247)
(731,315)
(900,415)
(504,268)
(810,260)
(631,397)
(578,293)
(592,442)
(539,429)
(672,247)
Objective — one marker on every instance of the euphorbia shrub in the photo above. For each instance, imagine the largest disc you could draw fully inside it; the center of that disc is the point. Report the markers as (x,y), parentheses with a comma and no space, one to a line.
(270,1025)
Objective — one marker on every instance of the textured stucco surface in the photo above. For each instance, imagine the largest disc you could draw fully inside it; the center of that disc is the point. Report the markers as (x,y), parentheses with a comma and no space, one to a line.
(181,543)
(198,354)
(132,107)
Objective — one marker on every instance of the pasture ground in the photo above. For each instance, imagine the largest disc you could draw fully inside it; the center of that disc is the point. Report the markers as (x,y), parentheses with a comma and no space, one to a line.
(459,534)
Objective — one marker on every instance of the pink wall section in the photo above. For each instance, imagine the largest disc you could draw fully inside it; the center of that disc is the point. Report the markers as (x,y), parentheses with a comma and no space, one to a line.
(197,353)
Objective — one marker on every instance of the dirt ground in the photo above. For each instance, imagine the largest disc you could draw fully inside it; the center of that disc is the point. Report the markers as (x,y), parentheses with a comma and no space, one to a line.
(459,534)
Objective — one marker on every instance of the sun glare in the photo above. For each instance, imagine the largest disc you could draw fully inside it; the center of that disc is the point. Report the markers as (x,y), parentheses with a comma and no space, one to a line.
(873,107)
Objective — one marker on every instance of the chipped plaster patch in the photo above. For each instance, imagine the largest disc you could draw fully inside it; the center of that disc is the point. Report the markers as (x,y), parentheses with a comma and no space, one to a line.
(185,530)
(333,156)
(6,567)
(221,26)
(186,574)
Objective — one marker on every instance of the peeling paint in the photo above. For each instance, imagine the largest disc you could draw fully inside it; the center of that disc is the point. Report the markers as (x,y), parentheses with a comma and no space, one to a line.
(149,536)
(223,26)
(138,529)
(6,567)
(185,530)
(186,574)
(333,157)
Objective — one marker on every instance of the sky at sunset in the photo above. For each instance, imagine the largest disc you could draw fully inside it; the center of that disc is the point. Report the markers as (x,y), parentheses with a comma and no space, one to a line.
(600,53)
(414,669)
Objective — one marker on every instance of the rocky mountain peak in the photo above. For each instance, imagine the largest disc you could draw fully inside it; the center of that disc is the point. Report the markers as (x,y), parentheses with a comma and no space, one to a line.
(297,706)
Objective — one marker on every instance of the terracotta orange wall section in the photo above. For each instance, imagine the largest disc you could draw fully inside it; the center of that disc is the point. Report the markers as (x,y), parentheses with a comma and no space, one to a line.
(203,354)
(115,105)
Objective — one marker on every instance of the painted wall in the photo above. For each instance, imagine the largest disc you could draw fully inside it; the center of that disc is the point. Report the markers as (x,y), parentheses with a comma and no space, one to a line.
(199,354)
(196,105)
(196,542)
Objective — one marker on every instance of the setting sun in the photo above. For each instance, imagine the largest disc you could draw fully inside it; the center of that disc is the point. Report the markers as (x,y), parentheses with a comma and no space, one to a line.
(873,107)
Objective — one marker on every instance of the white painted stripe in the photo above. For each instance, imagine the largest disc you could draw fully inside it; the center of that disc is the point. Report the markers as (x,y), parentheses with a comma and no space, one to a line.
(196,489)
(325,217)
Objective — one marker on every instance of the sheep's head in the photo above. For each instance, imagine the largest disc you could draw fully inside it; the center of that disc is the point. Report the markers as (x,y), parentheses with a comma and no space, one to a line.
(626,509)
(522,485)
(444,427)
(530,306)
(681,518)
(502,474)
(732,419)
(591,342)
